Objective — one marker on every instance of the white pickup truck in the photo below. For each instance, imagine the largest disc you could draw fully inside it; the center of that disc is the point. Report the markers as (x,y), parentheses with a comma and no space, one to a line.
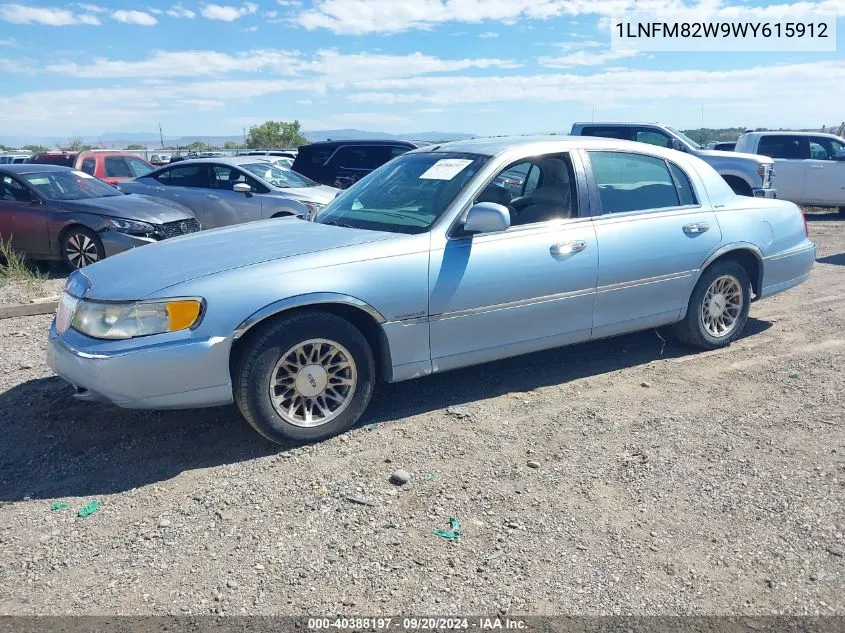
(810,166)
(747,174)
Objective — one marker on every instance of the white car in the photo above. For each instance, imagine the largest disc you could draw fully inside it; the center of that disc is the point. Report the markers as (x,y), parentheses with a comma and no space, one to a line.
(809,166)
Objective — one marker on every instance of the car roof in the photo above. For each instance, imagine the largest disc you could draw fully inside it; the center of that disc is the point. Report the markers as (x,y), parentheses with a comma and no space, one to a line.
(791,133)
(500,145)
(369,141)
(32,168)
(230,160)
(617,123)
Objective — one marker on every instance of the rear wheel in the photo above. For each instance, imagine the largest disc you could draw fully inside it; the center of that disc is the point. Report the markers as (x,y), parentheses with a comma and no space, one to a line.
(81,247)
(718,307)
(304,377)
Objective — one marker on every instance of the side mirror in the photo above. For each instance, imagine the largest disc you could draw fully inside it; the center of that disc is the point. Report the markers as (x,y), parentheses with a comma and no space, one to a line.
(676,144)
(487,217)
(242,187)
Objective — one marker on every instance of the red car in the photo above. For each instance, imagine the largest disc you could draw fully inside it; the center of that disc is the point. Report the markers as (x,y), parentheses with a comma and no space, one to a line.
(111,166)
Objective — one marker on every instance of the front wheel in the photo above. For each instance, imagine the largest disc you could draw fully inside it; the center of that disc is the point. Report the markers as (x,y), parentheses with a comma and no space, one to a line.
(81,247)
(305,377)
(718,307)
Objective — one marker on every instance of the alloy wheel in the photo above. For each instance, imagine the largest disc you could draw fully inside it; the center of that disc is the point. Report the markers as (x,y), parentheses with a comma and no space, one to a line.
(722,306)
(81,250)
(313,382)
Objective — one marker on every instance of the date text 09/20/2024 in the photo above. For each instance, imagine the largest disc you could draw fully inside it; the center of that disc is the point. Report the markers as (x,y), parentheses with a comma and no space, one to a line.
(415,624)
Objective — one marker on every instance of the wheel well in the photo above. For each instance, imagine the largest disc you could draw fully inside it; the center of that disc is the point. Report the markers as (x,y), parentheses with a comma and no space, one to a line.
(738,185)
(368,326)
(748,260)
(282,214)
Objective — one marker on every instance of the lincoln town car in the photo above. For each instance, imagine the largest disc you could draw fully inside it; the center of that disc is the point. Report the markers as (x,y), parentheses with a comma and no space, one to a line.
(427,264)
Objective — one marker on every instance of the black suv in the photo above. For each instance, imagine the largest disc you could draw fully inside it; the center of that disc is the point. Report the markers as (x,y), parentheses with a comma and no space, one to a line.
(342,163)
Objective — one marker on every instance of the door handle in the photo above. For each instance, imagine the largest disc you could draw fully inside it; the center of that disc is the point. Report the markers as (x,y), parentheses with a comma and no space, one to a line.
(816,166)
(696,228)
(213,197)
(568,248)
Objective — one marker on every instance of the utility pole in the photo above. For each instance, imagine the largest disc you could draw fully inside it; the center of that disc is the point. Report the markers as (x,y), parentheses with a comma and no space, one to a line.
(244,138)
(161,135)
(701,140)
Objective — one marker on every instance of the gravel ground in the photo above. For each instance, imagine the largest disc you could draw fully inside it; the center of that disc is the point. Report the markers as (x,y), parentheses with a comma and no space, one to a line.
(629,476)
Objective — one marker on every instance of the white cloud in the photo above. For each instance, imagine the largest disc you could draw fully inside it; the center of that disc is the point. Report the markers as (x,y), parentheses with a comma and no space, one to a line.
(164,64)
(134,17)
(489,34)
(250,29)
(228,13)
(48,16)
(18,66)
(178,11)
(91,8)
(585,58)
(155,11)
(395,16)
(8,41)
(289,3)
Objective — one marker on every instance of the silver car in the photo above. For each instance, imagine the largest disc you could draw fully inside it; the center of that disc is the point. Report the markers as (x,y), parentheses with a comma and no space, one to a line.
(425,265)
(224,191)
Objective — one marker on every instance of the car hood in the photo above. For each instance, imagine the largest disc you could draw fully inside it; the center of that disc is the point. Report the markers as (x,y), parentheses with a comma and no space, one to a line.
(131,207)
(322,193)
(139,272)
(716,153)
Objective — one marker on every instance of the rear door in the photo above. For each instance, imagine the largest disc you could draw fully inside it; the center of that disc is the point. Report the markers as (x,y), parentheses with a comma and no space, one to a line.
(23,219)
(824,182)
(791,154)
(187,184)
(654,229)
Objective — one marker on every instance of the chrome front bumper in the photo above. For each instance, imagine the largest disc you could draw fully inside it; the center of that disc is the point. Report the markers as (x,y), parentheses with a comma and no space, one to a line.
(176,373)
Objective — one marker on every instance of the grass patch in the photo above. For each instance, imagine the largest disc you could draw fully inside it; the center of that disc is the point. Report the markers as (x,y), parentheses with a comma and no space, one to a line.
(13,265)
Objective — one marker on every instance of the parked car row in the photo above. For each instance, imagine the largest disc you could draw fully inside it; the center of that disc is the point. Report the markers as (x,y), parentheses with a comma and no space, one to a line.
(109,166)
(445,257)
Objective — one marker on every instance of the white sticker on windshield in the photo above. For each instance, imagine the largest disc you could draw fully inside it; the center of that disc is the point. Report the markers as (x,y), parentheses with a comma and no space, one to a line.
(81,174)
(445,169)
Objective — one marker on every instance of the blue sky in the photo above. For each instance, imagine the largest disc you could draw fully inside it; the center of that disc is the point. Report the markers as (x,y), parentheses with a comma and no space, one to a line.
(473,66)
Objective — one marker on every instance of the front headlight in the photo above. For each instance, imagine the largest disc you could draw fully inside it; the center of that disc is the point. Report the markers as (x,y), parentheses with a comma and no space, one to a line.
(131,227)
(141,318)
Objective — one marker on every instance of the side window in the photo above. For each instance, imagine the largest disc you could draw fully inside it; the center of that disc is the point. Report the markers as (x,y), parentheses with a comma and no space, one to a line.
(395,150)
(682,183)
(137,167)
(624,133)
(824,148)
(226,177)
(89,166)
(13,191)
(116,167)
(538,190)
(632,182)
(185,176)
(319,156)
(652,137)
(784,146)
(360,157)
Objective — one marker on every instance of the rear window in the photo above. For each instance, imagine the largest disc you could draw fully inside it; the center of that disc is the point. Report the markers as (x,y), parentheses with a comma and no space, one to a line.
(66,160)
(784,146)
(624,133)
(315,155)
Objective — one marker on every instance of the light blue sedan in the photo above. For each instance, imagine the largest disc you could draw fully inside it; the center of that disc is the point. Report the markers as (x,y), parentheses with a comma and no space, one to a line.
(427,264)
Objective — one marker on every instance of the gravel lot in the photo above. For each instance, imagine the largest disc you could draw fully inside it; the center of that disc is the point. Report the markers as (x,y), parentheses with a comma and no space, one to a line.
(630,476)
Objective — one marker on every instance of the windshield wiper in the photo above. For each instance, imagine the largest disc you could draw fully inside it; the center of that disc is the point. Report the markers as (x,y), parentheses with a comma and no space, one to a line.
(339,223)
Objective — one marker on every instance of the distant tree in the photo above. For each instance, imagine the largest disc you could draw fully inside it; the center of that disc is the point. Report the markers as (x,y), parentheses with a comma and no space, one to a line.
(74,144)
(230,145)
(275,134)
(34,148)
(198,146)
(135,146)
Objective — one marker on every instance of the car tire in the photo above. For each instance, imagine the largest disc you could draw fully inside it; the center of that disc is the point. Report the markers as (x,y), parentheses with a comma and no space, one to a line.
(81,247)
(718,307)
(304,377)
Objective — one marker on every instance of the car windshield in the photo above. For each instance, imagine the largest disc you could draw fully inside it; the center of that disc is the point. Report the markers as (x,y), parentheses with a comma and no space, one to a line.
(279,176)
(138,167)
(69,185)
(405,195)
(685,138)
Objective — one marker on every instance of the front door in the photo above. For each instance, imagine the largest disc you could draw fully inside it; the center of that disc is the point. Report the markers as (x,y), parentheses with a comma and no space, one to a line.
(653,231)
(226,206)
(527,288)
(824,182)
(186,184)
(23,219)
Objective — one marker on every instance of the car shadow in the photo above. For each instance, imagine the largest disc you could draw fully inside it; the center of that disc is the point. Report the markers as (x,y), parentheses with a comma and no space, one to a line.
(55,446)
(823,215)
(836,260)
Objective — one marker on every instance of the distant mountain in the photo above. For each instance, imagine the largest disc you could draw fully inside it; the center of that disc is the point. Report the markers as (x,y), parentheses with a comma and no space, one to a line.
(120,140)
